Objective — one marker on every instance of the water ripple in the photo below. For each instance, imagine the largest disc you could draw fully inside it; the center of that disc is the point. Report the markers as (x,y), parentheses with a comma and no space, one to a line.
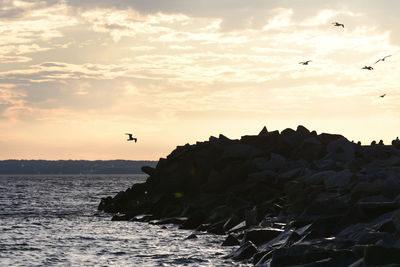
(52,220)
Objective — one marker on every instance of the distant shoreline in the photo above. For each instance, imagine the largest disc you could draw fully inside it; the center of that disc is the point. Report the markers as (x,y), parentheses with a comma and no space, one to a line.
(74,166)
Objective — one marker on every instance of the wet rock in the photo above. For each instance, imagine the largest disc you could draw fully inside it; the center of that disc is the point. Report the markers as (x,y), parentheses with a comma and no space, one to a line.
(193,221)
(259,236)
(192,236)
(173,220)
(121,217)
(241,226)
(230,240)
(217,228)
(232,221)
(246,251)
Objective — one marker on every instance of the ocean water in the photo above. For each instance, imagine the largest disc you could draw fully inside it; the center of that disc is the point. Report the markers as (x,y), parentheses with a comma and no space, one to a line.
(52,220)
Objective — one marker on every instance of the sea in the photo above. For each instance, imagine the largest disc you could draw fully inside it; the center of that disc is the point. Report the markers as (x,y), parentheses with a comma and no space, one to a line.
(52,220)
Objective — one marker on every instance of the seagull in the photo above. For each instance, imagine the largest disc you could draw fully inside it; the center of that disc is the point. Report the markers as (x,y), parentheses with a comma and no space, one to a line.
(305,62)
(382,95)
(338,24)
(383,59)
(367,68)
(130,138)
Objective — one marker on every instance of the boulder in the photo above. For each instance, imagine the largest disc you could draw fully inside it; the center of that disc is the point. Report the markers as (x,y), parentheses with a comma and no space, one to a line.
(263,132)
(246,251)
(241,151)
(339,181)
(341,150)
(276,163)
(260,236)
(230,240)
(305,254)
(302,132)
(310,149)
(290,138)
(192,236)
(379,256)
(396,143)
(148,170)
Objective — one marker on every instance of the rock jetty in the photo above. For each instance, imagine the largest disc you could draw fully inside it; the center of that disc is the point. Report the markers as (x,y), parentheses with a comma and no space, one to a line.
(281,198)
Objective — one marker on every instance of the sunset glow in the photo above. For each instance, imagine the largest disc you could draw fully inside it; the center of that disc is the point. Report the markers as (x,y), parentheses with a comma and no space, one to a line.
(74,78)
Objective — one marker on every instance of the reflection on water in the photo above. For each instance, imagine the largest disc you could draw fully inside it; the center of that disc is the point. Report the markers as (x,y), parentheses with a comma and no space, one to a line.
(53,220)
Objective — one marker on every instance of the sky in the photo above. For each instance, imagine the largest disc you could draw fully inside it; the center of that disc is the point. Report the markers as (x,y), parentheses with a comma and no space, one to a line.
(75,76)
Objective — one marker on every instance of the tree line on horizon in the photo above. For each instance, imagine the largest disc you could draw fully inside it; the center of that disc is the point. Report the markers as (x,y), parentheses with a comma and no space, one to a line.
(73,166)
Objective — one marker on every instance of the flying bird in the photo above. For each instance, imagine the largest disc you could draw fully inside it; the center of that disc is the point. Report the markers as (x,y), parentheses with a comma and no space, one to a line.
(305,62)
(382,95)
(131,138)
(337,24)
(383,59)
(367,68)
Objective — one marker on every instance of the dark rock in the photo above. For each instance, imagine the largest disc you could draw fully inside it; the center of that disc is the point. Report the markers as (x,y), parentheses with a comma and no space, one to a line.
(238,227)
(121,217)
(241,151)
(230,240)
(246,251)
(217,228)
(310,149)
(231,222)
(341,150)
(290,138)
(192,236)
(260,258)
(396,220)
(193,221)
(285,238)
(326,201)
(203,227)
(339,181)
(148,170)
(375,209)
(142,218)
(259,236)
(302,131)
(378,256)
(251,216)
(263,132)
(305,254)
(396,143)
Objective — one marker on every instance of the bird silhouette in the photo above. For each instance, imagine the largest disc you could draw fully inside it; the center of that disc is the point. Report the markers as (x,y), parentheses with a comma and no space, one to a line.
(337,24)
(367,68)
(382,95)
(305,62)
(382,59)
(131,138)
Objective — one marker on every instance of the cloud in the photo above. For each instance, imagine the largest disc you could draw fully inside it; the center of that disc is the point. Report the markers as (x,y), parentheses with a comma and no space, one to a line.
(216,64)
(25,25)
(120,23)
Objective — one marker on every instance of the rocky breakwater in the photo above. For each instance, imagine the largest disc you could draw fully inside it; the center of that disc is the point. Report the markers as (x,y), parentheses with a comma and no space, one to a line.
(289,198)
